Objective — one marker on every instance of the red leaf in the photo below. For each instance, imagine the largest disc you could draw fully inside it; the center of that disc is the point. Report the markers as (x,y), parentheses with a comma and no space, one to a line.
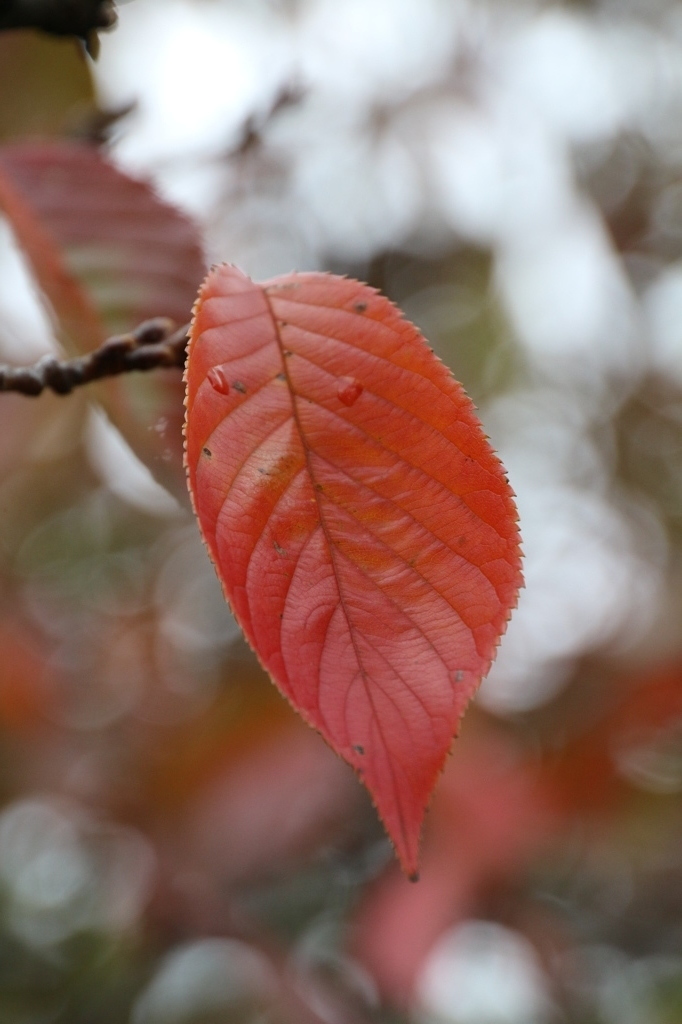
(107,253)
(134,255)
(361,525)
(80,327)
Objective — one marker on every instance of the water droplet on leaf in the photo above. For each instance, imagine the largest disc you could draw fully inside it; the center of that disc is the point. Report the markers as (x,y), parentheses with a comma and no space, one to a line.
(218,380)
(349,390)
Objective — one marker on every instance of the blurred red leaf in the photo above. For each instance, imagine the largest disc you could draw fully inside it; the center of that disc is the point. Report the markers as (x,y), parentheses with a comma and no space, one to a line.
(273,802)
(80,327)
(585,774)
(493,813)
(25,682)
(107,253)
(490,815)
(134,255)
(362,526)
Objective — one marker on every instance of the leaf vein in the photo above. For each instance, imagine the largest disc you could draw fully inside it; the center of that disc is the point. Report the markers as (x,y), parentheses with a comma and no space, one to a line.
(235,359)
(401,458)
(359,348)
(382,398)
(250,395)
(330,546)
(409,689)
(290,483)
(403,511)
(402,611)
(245,460)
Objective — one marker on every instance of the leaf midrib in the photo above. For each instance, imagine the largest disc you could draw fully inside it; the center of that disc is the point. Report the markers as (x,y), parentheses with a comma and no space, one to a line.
(332,556)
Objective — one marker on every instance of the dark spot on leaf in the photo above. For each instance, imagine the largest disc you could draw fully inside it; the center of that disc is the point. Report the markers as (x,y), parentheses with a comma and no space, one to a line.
(414,877)
(207,451)
(319,487)
(360,307)
(358,749)
(288,353)
(281,376)
(280,550)
(238,386)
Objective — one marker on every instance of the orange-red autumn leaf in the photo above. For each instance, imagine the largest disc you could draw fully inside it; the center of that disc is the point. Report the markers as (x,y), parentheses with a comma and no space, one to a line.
(362,527)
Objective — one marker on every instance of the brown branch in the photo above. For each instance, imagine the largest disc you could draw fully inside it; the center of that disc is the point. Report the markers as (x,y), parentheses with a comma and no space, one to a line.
(154,344)
(58,17)
(80,18)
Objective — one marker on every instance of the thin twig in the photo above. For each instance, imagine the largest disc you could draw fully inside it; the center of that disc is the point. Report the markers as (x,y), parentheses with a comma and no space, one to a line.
(154,344)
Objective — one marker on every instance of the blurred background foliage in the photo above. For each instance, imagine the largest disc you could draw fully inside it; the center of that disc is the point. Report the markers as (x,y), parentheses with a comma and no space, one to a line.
(175,846)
